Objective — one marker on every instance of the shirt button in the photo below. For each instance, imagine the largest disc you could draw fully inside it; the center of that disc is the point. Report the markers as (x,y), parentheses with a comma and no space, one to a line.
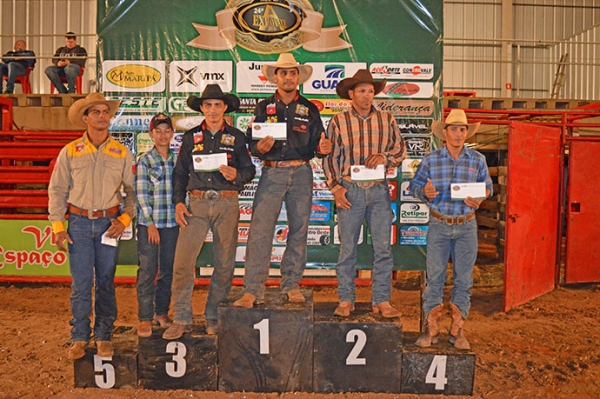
(209,179)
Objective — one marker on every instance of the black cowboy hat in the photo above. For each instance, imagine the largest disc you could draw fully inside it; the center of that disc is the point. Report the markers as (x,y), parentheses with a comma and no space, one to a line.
(214,92)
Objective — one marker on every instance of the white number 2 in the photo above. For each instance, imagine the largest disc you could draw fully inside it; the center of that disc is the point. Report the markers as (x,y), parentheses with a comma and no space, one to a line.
(263,332)
(361,340)
(177,367)
(107,378)
(437,372)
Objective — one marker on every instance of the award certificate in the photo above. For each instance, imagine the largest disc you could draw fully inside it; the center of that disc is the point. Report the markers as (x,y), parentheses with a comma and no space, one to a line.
(460,191)
(209,162)
(362,173)
(276,130)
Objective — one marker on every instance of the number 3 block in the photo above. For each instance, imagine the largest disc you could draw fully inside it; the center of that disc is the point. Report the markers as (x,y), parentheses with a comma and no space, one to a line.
(361,353)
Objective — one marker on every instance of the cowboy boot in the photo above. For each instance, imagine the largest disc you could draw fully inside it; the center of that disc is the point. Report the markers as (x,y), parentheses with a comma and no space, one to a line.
(456,336)
(433,328)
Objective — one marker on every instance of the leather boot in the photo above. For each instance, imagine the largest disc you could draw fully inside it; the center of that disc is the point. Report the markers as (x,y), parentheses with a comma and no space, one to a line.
(433,328)
(456,335)
(246,301)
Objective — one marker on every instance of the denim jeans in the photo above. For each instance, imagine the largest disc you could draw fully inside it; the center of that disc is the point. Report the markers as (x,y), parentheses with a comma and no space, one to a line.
(443,241)
(70,72)
(90,261)
(294,186)
(11,70)
(221,216)
(155,299)
(372,204)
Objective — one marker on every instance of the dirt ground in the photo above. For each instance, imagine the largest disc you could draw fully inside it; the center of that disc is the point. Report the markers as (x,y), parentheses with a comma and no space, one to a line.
(548,348)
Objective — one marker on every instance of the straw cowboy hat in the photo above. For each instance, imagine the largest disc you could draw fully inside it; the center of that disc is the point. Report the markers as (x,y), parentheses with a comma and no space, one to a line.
(455,117)
(214,92)
(287,60)
(80,106)
(361,76)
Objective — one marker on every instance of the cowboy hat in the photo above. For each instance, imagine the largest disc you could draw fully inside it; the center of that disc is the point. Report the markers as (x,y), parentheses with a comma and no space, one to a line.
(287,60)
(361,76)
(214,92)
(455,117)
(80,106)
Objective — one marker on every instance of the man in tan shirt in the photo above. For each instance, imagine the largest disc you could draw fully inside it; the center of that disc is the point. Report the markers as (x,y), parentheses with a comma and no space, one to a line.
(86,183)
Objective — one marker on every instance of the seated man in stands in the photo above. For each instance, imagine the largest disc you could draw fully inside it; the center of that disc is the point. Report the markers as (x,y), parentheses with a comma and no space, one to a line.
(15,63)
(67,63)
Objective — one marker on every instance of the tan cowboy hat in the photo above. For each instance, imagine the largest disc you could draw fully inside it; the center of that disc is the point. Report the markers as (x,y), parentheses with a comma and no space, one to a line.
(455,117)
(287,60)
(214,92)
(361,76)
(80,106)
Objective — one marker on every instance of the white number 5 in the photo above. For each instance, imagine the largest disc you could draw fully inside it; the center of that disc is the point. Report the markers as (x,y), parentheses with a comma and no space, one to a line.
(107,378)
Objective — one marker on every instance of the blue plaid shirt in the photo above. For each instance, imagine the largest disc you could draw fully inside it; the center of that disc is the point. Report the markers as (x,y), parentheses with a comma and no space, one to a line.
(154,189)
(442,169)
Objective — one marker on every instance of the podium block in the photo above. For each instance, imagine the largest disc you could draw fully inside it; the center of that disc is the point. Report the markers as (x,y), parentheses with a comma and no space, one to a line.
(267,348)
(439,369)
(117,371)
(186,363)
(359,353)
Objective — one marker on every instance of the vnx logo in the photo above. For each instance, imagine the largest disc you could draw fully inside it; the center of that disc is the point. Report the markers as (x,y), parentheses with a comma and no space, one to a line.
(333,75)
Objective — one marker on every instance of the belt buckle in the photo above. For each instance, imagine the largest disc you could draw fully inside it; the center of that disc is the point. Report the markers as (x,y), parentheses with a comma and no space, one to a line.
(212,195)
(449,220)
(461,219)
(91,214)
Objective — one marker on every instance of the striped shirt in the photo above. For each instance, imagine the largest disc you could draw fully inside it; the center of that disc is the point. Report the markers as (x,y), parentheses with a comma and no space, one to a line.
(154,189)
(355,138)
(442,169)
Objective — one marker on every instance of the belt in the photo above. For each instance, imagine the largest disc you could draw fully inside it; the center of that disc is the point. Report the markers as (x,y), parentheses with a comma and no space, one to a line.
(361,184)
(293,163)
(213,194)
(450,220)
(94,214)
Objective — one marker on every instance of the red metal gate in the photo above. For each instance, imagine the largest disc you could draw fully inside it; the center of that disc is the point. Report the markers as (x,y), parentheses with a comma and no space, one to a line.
(532,209)
(583,213)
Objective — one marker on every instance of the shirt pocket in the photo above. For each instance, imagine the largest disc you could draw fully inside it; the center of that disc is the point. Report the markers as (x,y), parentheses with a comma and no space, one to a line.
(112,172)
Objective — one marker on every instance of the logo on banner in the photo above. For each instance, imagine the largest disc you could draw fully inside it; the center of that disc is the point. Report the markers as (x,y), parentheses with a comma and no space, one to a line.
(318,235)
(413,235)
(409,167)
(269,27)
(405,193)
(405,107)
(245,210)
(178,105)
(194,76)
(414,126)
(393,187)
(133,76)
(320,212)
(418,146)
(130,123)
(249,189)
(326,76)
(139,105)
(402,71)
(414,213)
(407,89)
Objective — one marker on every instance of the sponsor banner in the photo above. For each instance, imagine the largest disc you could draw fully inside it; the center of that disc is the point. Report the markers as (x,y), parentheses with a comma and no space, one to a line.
(417,146)
(133,76)
(243,231)
(317,168)
(409,167)
(393,187)
(414,125)
(320,184)
(249,78)
(405,107)
(391,173)
(178,105)
(320,211)
(413,235)
(247,104)
(187,122)
(127,233)
(405,193)
(130,123)
(194,76)
(336,235)
(414,213)
(281,233)
(249,190)
(407,90)
(319,235)
(322,195)
(140,105)
(390,70)
(394,211)
(327,75)
(331,106)
(143,143)
(242,122)
(245,210)
(276,254)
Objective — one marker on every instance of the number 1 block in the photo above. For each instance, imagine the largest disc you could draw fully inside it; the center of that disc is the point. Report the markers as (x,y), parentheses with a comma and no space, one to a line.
(360,353)
(267,348)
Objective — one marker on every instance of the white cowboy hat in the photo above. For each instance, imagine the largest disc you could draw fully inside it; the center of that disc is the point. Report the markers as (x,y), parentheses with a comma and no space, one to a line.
(287,60)
(455,117)
(80,106)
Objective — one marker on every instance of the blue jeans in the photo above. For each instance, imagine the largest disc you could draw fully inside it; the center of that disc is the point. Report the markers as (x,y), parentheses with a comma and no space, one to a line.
(443,241)
(12,70)
(155,299)
(372,204)
(70,72)
(294,186)
(221,216)
(90,261)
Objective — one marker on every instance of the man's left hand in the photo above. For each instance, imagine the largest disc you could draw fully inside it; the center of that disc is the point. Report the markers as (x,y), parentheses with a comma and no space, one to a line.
(228,172)
(473,202)
(325,145)
(373,160)
(116,229)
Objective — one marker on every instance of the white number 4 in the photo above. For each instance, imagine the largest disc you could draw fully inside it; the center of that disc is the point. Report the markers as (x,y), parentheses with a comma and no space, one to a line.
(437,372)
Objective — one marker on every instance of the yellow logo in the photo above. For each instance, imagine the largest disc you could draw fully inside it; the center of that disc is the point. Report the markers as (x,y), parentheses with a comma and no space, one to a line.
(133,76)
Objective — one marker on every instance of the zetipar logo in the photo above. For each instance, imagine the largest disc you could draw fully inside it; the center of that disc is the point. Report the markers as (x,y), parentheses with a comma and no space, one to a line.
(133,76)
(333,75)
(269,27)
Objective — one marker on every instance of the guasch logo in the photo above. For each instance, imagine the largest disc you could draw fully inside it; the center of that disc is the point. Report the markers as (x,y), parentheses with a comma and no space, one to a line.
(269,27)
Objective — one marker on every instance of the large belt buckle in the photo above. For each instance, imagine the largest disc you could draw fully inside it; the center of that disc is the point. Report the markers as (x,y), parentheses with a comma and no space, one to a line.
(91,214)
(461,219)
(449,220)
(212,195)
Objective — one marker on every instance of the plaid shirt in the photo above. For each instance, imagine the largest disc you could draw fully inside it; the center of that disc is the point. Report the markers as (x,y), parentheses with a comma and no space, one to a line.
(154,189)
(355,138)
(442,169)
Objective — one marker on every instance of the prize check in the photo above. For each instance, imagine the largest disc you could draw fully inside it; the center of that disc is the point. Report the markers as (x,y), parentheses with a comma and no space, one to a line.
(460,191)
(276,130)
(209,162)
(362,173)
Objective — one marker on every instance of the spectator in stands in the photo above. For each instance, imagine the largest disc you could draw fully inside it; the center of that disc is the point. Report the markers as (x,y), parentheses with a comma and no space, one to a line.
(157,229)
(87,180)
(68,61)
(212,167)
(452,225)
(364,139)
(15,63)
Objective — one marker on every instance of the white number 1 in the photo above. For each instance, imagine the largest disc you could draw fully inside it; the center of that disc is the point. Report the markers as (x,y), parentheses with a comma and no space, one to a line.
(263,332)
(437,372)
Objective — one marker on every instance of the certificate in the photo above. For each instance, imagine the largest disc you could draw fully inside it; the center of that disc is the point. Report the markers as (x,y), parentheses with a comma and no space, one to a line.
(362,173)
(460,191)
(209,162)
(277,130)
